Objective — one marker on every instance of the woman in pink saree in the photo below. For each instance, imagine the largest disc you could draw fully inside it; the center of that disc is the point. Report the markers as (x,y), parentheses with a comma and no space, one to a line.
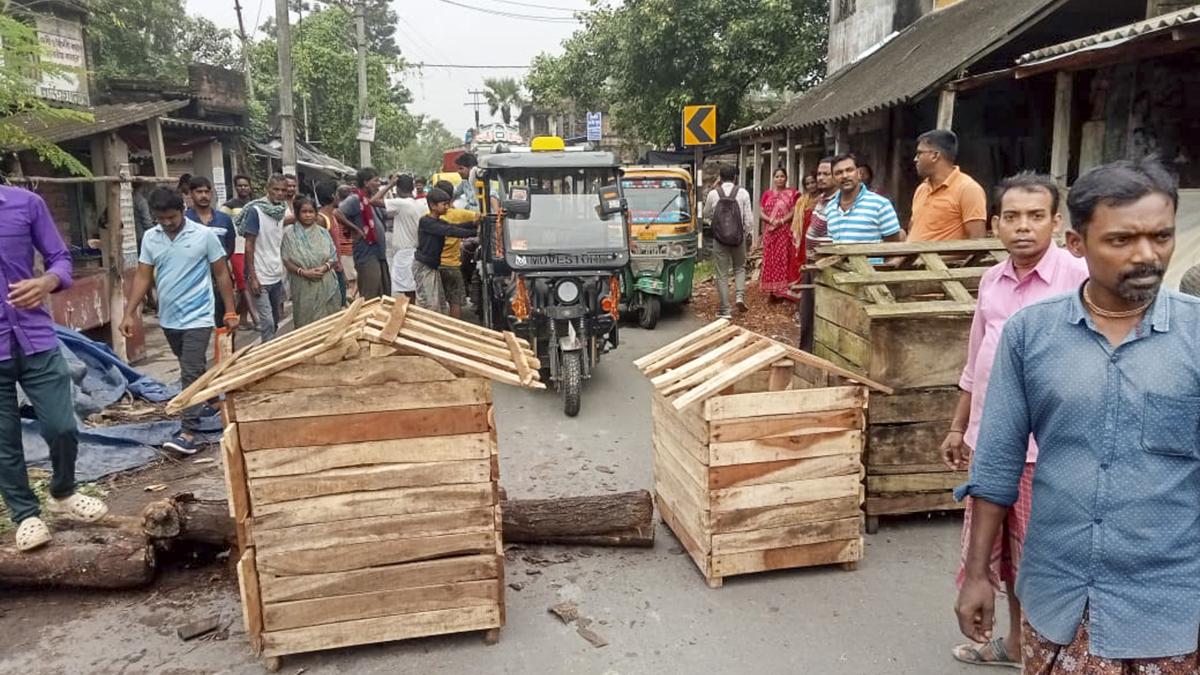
(779,268)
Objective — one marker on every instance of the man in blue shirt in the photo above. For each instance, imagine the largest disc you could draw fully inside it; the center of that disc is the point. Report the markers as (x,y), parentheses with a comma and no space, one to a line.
(1107,380)
(202,211)
(858,215)
(182,258)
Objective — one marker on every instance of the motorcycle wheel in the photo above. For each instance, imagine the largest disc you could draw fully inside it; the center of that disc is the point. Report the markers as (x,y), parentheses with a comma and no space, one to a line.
(570,381)
(650,312)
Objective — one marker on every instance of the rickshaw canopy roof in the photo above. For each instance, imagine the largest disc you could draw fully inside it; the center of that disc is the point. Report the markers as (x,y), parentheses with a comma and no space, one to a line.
(549,160)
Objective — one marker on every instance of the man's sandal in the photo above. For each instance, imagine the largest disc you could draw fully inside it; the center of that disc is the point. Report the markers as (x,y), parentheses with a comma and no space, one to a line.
(78,507)
(973,654)
(32,533)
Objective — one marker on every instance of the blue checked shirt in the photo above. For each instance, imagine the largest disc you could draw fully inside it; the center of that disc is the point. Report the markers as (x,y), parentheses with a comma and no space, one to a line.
(1115,527)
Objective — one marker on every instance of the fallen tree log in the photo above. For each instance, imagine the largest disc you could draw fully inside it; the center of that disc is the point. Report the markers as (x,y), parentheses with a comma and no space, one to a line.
(93,557)
(623,519)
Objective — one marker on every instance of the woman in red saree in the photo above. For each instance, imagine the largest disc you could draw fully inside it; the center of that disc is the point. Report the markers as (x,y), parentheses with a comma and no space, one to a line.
(779,269)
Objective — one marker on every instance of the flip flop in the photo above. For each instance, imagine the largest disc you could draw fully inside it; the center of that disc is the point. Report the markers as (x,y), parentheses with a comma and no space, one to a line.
(973,655)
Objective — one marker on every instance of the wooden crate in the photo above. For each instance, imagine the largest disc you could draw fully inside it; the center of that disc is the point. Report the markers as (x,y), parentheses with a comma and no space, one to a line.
(906,324)
(757,452)
(363,478)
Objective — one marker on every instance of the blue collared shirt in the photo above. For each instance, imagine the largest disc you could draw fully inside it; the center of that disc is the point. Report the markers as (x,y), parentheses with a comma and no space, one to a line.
(1115,526)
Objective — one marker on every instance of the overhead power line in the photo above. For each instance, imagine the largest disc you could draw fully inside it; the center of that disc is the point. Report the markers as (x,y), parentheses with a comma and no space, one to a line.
(472,66)
(513,15)
(536,6)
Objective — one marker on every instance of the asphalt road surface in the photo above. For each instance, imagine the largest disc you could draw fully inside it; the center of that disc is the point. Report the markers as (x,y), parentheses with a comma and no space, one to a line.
(892,616)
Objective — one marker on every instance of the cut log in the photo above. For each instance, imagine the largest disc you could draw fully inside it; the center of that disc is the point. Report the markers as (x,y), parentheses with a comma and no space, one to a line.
(183,517)
(624,519)
(81,558)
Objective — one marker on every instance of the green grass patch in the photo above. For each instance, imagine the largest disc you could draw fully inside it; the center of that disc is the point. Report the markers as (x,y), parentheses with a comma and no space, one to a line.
(39,480)
(705,269)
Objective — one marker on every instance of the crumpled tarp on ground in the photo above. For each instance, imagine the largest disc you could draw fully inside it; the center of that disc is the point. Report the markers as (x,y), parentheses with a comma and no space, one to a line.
(100,380)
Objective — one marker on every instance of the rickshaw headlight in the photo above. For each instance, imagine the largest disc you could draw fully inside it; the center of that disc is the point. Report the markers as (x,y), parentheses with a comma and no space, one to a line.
(567,292)
(675,251)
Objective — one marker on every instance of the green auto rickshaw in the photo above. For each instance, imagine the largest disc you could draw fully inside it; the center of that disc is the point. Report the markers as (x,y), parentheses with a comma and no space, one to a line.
(663,240)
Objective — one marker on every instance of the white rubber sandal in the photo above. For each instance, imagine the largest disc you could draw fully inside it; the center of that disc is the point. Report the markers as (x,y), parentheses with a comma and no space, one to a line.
(78,507)
(32,533)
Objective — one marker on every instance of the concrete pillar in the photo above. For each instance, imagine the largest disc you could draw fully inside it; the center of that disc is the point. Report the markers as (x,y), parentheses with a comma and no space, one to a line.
(1060,152)
(209,160)
(756,190)
(790,160)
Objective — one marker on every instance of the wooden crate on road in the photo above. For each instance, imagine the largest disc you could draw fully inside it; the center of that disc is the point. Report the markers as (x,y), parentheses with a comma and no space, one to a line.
(757,452)
(905,323)
(362,469)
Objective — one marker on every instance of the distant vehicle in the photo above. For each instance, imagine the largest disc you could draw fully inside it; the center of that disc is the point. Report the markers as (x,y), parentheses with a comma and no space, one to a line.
(663,240)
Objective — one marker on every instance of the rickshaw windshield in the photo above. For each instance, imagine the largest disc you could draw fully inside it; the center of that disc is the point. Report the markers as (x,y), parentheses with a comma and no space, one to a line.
(656,200)
(563,216)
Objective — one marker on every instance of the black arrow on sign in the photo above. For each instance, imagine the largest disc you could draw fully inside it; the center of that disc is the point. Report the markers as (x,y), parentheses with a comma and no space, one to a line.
(696,125)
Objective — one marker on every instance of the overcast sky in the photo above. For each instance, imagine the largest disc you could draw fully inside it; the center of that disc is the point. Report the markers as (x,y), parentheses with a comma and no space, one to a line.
(437,31)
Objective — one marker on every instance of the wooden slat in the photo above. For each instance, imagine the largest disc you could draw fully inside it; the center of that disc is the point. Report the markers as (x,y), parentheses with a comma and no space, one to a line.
(388,577)
(954,288)
(711,369)
(850,346)
(796,492)
(320,611)
(372,554)
(701,362)
(518,357)
(787,448)
(691,437)
(381,629)
(765,517)
(804,357)
(758,428)
(240,508)
(807,555)
(448,356)
(308,459)
(697,551)
(786,537)
(398,501)
(323,401)
(669,349)
(366,478)
(730,375)
(887,249)
(686,459)
(784,471)
(430,316)
(900,444)
(203,381)
(915,310)
(890,505)
(363,373)
(692,497)
(843,309)
(360,427)
(942,481)
(251,594)
(236,381)
(784,402)
(395,320)
(907,276)
(338,331)
(377,528)
(878,293)
(497,356)
(924,405)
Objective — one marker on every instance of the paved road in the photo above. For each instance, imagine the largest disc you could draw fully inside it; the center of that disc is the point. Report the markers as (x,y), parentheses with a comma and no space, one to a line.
(892,616)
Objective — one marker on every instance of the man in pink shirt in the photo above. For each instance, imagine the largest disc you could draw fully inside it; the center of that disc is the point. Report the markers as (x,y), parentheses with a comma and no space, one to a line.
(1026,219)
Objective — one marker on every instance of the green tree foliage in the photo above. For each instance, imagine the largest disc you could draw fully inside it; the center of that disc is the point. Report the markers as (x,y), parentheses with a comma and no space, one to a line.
(325,74)
(423,156)
(503,94)
(21,68)
(154,39)
(643,60)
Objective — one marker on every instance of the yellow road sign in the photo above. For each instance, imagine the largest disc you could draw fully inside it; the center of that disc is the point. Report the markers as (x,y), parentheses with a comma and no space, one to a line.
(700,125)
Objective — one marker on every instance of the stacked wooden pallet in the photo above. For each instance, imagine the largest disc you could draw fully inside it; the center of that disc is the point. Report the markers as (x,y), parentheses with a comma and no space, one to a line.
(362,470)
(906,324)
(757,456)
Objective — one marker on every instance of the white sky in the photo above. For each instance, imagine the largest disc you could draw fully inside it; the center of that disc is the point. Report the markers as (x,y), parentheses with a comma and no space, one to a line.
(433,31)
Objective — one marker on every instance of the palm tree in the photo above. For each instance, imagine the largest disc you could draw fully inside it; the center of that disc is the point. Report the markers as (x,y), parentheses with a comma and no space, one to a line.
(503,94)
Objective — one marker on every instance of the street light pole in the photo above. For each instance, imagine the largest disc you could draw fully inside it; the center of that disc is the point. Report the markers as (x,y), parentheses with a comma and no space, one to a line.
(287,117)
(360,28)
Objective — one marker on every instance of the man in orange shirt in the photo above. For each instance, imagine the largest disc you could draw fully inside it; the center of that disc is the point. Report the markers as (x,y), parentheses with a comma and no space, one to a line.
(948,204)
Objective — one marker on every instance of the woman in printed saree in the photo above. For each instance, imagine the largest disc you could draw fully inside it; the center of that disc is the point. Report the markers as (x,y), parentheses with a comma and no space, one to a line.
(779,269)
(309,256)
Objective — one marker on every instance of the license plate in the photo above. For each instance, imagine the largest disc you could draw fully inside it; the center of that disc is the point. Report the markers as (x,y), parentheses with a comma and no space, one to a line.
(647,236)
(650,284)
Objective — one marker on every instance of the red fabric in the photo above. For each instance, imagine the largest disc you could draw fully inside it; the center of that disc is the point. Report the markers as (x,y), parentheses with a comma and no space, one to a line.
(779,267)
(238,261)
(1044,657)
(368,215)
(1006,553)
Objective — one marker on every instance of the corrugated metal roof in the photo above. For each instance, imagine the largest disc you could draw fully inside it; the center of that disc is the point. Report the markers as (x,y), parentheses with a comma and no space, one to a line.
(306,156)
(104,118)
(1133,30)
(201,125)
(929,51)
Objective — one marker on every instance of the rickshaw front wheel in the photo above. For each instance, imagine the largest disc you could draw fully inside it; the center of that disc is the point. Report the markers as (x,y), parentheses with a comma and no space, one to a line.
(650,312)
(570,381)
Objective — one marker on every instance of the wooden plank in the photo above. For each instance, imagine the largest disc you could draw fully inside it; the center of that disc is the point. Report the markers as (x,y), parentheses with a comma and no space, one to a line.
(448,357)
(775,494)
(786,448)
(807,555)
(924,405)
(669,349)
(381,629)
(693,497)
(877,293)
(921,310)
(711,369)
(921,503)
(378,528)
(313,458)
(235,481)
(360,427)
(756,428)
(916,482)
(361,373)
(692,350)
(919,354)
(429,316)
(338,331)
(698,552)
(786,537)
(365,478)
(518,358)
(908,276)
(821,350)
(842,309)
(730,375)
(495,356)
(395,320)
(701,362)
(686,459)
(398,501)
(898,248)
(804,357)
(784,471)
(850,347)
(898,444)
(211,374)
(251,594)
(233,382)
(323,401)
(785,516)
(890,470)
(678,423)
(374,553)
(389,577)
(332,610)
(784,402)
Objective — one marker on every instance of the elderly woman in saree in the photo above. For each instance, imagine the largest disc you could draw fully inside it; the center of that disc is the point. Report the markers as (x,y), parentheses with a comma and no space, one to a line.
(310,257)
(779,268)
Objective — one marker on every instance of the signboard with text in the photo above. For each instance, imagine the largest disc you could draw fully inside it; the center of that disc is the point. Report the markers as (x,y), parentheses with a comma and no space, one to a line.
(62,42)
(595,127)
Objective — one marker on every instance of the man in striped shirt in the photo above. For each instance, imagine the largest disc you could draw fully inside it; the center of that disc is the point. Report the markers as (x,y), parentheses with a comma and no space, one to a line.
(858,215)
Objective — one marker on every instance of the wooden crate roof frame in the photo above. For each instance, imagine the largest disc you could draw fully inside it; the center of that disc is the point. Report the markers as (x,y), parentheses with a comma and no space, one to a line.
(703,363)
(948,263)
(500,356)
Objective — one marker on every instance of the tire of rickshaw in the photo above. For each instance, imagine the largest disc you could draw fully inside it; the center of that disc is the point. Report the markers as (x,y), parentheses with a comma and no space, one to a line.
(650,312)
(570,382)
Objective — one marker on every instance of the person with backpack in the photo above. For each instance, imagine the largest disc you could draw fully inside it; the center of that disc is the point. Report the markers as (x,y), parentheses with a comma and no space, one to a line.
(729,209)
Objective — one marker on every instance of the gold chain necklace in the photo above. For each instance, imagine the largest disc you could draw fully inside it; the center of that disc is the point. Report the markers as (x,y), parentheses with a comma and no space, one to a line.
(1109,314)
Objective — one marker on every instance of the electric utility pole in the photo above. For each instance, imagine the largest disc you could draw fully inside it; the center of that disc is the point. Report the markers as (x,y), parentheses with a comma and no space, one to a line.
(287,118)
(237,6)
(360,27)
(477,104)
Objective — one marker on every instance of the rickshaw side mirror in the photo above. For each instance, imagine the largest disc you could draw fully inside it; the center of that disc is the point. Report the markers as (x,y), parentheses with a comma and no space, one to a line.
(611,202)
(518,202)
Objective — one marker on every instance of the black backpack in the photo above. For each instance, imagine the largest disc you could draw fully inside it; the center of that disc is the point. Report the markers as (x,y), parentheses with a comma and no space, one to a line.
(727,225)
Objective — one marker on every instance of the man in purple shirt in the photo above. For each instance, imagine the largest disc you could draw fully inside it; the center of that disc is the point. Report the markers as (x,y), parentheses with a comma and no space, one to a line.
(29,356)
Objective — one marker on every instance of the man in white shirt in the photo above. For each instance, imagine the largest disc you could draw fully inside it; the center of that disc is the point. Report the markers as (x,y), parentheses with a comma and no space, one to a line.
(405,212)
(729,254)
(262,226)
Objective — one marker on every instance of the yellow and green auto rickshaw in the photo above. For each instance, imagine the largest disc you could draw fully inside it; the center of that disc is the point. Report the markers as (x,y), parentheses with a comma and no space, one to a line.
(662,240)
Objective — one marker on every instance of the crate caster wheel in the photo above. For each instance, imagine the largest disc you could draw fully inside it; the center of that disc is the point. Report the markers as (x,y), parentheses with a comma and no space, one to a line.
(272,664)
(491,636)
(872,524)
(716,582)
(850,566)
